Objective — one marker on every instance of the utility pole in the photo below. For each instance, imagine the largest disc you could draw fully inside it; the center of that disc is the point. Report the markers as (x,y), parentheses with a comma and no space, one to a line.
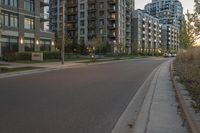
(0,33)
(63,35)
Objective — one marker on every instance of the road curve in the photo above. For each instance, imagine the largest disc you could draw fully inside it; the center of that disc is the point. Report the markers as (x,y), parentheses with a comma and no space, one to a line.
(76,100)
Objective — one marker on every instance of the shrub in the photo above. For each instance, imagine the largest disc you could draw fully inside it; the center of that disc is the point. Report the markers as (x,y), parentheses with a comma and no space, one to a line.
(9,56)
(51,55)
(23,56)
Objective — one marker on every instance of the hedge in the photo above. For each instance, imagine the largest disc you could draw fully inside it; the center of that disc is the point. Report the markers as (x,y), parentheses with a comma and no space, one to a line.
(51,55)
(27,56)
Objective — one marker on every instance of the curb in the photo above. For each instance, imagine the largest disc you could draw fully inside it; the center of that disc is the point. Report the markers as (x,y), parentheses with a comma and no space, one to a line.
(128,118)
(143,116)
(187,115)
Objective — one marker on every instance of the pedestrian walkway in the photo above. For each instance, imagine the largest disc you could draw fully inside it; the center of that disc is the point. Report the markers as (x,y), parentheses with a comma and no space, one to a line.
(41,67)
(159,113)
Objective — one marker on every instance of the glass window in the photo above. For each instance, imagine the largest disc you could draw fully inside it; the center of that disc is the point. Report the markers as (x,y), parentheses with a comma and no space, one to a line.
(29,44)
(9,2)
(29,5)
(28,23)
(82,23)
(9,44)
(82,15)
(13,21)
(13,3)
(9,19)
(82,31)
(45,45)
(6,20)
(82,6)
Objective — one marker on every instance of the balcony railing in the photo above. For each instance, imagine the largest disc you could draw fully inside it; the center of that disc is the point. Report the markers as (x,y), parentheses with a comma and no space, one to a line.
(44,3)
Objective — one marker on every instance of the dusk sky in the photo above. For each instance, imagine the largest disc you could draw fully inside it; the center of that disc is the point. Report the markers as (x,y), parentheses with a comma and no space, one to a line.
(187,4)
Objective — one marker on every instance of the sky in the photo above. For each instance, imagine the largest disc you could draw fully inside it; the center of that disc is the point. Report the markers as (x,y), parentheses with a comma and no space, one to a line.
(187,4)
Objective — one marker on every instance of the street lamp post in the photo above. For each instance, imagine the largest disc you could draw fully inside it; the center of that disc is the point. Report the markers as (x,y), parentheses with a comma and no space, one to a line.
(63,35)
(0,33)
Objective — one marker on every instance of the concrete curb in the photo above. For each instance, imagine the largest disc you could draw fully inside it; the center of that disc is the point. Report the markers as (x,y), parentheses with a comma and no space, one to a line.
(127,117)
(143,117)
(188,116)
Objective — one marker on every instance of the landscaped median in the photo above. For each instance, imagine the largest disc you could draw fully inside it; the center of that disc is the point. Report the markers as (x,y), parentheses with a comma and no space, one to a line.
(185,72)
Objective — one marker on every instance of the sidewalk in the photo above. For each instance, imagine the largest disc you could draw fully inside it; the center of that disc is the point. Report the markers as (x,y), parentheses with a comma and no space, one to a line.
(41,67)
(159,112)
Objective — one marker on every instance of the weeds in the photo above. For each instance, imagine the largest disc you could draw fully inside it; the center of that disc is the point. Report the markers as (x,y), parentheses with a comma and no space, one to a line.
(187,65)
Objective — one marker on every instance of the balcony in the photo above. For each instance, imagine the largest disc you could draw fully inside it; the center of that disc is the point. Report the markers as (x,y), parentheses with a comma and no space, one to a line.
(44,17)
(112,17)
(112,34)
(91,1)
(44,3)
(91,26)
(72,12)
(112,26)
(91,9)
(91,17)
(112,1)
(112,9)
(72,4)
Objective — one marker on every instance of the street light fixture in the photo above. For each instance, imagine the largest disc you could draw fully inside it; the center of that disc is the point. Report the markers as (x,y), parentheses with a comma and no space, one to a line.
(21,41)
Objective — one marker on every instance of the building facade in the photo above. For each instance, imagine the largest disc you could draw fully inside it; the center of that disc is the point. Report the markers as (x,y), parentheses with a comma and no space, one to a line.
(86,19)
(168,11)
(23,26)
(170,14)
(170,38)
(147,32)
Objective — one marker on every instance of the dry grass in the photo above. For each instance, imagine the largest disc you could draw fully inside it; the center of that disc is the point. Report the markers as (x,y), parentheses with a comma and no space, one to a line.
(187,67)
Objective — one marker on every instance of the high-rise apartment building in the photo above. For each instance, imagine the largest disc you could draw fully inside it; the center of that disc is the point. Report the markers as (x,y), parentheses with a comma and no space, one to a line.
(147,32)
(86,19)
(170,37)
(170,14)
(168,11)
(22,26)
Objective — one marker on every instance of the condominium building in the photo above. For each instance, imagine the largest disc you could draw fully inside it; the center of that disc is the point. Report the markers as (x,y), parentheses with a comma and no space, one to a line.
(170,14)
(86,19)
(168,11)
(22,26)
(147,32)
(170,38)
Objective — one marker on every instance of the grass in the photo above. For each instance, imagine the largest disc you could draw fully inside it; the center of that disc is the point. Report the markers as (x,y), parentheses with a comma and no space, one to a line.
(187,66)
(7,70)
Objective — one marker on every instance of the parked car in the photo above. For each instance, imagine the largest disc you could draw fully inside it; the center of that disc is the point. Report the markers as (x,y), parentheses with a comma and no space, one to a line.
(167,55)
(173,55)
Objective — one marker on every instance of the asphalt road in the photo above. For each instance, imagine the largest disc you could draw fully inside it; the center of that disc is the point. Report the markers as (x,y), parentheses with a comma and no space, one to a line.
(77,100)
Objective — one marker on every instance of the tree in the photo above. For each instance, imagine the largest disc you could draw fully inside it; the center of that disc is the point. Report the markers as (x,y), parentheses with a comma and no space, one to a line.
(197,14)
(93,45)
(68,44)
(185,40)
(119,48)
(190,32)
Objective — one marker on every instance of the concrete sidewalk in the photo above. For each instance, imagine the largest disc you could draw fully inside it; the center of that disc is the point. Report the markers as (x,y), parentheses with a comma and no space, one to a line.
(41,67)
(159,113)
